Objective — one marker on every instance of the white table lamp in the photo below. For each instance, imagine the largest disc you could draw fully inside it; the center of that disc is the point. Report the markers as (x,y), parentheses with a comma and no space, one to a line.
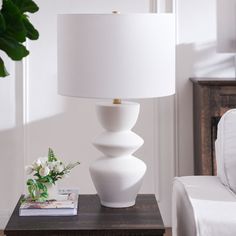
(116,56)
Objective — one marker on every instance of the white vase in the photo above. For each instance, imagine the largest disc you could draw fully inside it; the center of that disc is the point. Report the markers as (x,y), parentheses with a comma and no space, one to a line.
(118,175)
(52,191)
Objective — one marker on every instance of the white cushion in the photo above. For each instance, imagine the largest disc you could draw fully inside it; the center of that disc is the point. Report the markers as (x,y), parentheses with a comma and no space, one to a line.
(226,149)
(203,206)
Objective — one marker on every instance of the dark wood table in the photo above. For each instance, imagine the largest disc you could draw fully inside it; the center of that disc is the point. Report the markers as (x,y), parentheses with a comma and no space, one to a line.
(93,219)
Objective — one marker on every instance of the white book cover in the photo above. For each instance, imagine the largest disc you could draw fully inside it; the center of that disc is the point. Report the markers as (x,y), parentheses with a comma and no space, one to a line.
(65,204)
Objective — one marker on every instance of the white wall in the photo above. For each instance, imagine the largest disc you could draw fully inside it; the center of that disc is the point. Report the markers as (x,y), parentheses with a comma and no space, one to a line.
(11,143)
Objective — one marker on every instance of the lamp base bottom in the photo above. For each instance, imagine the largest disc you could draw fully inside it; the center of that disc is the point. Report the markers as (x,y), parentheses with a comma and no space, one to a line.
(117,204)
(117,180)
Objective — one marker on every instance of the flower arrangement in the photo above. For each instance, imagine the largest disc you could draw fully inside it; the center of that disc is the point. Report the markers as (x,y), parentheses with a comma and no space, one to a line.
(46,171)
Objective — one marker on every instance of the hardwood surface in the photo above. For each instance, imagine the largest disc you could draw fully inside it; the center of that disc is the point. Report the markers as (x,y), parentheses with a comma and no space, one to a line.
(93,219)
(211,99)
(168,232)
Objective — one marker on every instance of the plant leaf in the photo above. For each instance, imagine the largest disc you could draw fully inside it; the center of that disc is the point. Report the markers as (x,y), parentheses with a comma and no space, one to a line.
(14,21)
(44,195)
(71,166)
(13,49)
(15,27)
(31,32)
(50,180)
(51,155)
(40,185)
(37,175)
(26,5)
(30,182)
(3,71)
(2,23)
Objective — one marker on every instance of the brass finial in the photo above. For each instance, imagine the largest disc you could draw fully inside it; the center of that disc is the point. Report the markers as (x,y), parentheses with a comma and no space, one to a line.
(115,12)
(117,101)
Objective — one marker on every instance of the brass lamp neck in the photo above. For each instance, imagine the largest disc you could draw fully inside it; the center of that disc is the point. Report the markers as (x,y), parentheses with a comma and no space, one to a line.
(117,101)
(115,12)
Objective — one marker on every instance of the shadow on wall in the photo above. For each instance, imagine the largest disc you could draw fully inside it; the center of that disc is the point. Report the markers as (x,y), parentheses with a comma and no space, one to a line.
(66,141)
(68,133)
(194,60)
(199,60)
(11,166)
(202,60)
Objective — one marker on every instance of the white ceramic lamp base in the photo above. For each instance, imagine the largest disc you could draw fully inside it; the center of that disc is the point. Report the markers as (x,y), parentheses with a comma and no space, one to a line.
(118,175)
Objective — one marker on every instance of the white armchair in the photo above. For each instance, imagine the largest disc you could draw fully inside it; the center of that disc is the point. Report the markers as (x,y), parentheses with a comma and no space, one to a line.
(206,205)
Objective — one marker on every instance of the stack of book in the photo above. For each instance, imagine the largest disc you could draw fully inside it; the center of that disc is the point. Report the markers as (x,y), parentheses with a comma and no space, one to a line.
(66,204)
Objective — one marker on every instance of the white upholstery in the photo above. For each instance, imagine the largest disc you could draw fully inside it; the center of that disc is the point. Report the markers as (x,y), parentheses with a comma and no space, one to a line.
(203,206)
(183,221)
(206,205)
(226,149)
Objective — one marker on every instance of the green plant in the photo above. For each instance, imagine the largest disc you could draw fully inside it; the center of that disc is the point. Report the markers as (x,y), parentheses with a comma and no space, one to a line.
(46,170)
(15,27)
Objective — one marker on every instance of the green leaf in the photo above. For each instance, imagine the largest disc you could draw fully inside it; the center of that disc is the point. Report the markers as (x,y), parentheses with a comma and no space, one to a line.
(15,27)
(40,185)
(30,182)
(49,179)
(2,23)
(70,166)
(13,49)
(44,195)
(3,71)
(32,191)
(37,175)
(23,200)
(14,21)
(51,155)
(32,33)
(26,5)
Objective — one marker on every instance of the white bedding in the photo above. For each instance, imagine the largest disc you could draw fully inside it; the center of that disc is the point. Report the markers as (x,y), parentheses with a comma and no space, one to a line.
(203,206)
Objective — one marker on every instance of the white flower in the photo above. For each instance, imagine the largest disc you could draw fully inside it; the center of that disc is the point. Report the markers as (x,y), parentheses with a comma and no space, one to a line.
(59,168)
(39,162)
(36,164)
(29,169)
(51,165)
(44,171)
(43,160)
(1,4)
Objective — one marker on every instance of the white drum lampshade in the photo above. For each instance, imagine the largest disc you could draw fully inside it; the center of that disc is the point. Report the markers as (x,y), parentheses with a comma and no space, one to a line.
(119,56)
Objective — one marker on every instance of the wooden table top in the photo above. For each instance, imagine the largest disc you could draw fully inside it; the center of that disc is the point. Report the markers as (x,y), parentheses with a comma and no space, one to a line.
(144,216)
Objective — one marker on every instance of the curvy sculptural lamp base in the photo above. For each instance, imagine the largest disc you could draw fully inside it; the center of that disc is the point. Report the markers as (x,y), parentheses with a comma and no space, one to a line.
(118,175)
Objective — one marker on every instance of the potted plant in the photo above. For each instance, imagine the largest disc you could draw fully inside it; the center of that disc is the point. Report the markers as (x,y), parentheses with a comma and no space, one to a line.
(15,28)
(46,172)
